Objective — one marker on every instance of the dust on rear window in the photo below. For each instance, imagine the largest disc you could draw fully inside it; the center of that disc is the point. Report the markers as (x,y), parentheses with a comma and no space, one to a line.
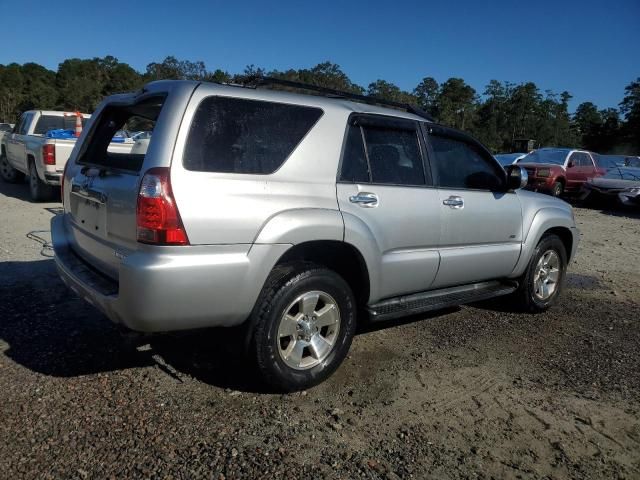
(122,134)
(233,135)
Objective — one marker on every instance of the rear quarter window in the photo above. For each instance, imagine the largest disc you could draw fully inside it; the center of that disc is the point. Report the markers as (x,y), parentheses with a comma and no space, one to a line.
(233,135)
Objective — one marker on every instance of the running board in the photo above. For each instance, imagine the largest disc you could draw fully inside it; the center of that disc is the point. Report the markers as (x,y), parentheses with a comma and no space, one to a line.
(438,299)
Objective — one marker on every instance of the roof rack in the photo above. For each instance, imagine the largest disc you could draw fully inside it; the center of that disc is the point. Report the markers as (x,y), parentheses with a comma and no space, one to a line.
(260,80)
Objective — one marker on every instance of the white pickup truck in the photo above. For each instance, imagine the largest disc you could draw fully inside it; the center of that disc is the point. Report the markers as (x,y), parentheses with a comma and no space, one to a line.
(28,151)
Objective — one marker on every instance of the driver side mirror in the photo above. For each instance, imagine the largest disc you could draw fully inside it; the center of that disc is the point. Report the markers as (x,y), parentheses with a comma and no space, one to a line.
(571,164)
(517,177)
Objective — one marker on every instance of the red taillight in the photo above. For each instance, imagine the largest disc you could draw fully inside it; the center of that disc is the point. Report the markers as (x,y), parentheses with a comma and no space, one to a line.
(49,154)
(157,216)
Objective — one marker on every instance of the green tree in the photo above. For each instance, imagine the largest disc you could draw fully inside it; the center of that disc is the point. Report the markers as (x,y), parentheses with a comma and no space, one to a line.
(388,91)
(80,84)
(630,108)
(456,104)
(11,91)
(588,122)
(426,94)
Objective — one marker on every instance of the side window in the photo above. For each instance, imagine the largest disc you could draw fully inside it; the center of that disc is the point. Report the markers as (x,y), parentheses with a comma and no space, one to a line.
(22,126)
(354,162)
(234,135)
(461,164)
(587,160)
(575,159)
(394,155)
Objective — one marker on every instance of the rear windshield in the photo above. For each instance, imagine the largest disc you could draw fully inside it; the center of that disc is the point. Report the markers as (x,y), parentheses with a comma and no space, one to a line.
(55,122)
(107,148)
(233,135)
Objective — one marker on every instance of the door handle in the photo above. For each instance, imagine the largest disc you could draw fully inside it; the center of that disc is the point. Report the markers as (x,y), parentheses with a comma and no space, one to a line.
(454,202)
(365,199)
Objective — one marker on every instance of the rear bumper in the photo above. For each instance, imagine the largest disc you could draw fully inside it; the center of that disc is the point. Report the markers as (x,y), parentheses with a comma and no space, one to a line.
(52,178)
(171,288)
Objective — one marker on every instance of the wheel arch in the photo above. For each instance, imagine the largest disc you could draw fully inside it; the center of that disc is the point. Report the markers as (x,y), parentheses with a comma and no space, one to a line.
(341,257)
(550,220)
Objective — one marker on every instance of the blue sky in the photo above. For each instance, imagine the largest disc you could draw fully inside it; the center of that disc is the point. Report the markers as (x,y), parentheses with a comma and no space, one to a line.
(590,48)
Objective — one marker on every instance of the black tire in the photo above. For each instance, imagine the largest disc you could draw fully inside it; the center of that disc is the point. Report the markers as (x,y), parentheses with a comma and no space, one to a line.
(558,189)
(525,298)
(40,191)
(286,284)
(8,173)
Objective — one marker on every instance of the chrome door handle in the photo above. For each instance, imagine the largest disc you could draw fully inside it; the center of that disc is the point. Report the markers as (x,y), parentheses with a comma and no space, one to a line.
(453,202)
(365,199)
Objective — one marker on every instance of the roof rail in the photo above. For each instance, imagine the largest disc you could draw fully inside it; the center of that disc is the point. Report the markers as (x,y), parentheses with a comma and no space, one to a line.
(260,80)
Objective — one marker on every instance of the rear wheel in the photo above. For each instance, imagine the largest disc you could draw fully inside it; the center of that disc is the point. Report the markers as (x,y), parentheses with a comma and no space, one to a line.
(304,322)
(8,173)
(558,189)
(40,191)
(540,285)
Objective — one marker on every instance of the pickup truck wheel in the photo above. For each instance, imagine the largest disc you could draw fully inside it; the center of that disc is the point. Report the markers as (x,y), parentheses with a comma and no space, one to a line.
(40,191)
(9,174)
(541,283)
(304,322)
(558,189)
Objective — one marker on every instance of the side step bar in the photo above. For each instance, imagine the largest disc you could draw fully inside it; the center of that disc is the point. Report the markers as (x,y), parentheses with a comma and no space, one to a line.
(438,299)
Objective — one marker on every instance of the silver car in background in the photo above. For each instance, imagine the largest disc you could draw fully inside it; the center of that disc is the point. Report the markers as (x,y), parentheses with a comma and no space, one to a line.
(296,216)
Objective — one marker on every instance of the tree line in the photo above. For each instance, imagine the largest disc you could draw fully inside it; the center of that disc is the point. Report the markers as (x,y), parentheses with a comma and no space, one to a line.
(500,114)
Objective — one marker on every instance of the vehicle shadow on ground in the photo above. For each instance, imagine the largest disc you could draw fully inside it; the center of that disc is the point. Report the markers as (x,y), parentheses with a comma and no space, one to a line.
(20,191)
(572,281)
(49,330)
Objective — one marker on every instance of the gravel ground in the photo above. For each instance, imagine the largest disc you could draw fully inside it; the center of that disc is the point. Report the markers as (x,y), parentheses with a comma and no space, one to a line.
(475,392)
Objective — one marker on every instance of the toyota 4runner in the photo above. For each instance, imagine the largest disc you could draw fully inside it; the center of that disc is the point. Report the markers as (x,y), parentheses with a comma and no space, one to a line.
(298,216)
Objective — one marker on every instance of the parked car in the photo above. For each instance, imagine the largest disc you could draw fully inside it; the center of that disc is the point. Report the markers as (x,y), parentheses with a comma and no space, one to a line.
(610,161)
(297,216)
(28,150)
(559,170)
(620,184)
(5,128)
(508,158)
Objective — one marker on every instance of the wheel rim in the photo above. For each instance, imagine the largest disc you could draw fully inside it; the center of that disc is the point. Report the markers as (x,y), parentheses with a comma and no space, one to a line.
(308,330)
(5,168)
(547,276)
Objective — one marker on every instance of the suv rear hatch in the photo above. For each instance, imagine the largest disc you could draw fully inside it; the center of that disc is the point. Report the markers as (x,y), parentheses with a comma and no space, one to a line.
(100,188)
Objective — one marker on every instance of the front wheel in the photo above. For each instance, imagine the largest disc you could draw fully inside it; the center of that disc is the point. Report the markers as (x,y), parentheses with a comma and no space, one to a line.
(304,322)
(8,173)
(558,189)
(40,191)
(541,283)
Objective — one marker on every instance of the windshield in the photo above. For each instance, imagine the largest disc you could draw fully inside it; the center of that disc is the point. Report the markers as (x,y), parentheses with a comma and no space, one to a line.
(609,161)
(55,122)
(556,157)
(618,173)
(508,158)
(5,127)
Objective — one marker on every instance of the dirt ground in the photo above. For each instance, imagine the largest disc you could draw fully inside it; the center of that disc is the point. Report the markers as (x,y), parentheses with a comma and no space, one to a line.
(475,392)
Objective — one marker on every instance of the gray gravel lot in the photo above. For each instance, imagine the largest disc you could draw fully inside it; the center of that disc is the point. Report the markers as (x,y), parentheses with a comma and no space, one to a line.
(475,392)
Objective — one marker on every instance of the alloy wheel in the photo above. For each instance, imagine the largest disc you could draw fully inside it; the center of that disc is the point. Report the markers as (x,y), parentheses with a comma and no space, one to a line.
(308,330)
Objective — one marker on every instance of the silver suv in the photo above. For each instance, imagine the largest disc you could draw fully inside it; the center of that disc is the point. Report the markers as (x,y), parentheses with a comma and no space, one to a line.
(298,216)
